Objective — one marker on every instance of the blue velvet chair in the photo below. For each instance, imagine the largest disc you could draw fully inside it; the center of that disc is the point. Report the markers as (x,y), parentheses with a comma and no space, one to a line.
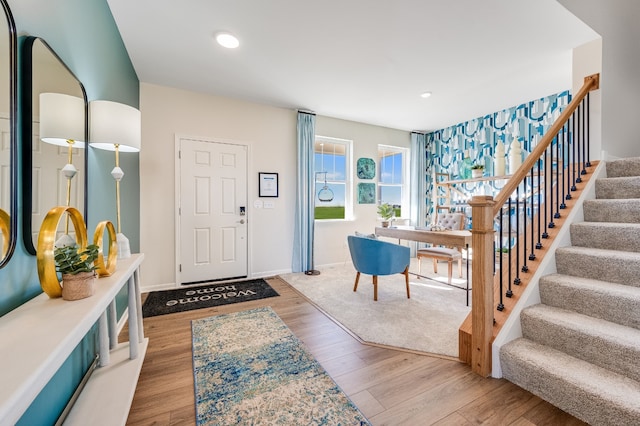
(374,257)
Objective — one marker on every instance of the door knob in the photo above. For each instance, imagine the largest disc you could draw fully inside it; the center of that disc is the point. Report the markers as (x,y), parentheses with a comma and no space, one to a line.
(241,221)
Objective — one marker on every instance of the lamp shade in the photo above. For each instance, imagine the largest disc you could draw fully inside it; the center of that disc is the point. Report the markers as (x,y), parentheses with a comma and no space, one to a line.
(113,123)
(62,119)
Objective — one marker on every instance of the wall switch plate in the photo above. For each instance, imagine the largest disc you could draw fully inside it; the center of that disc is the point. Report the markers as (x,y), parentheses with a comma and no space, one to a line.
(257,204)
(269,204)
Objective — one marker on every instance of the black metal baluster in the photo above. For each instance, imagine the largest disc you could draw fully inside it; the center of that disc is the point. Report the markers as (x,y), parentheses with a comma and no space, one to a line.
(567,145)
(525,268)
(565,163)
(574,141)
(539,243)
(501,304)
(509,245)
(580,143)
(559,171)
(517,281)
(494,260)
(548,193)
(532,255)
(588,132)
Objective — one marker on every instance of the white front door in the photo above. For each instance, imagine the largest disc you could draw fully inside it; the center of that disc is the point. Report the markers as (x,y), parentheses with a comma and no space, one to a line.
(212,211)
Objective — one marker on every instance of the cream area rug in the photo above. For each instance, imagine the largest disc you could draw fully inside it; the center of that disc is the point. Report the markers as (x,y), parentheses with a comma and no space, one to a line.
(428,322)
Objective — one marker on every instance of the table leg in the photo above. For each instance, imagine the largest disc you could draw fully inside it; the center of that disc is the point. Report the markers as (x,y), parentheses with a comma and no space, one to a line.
(103,337)
(133,320)
(113,325)
(136,276)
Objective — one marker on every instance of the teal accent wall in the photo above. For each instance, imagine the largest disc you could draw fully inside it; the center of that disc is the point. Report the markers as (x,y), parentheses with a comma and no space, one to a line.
(84,35)
(478,138)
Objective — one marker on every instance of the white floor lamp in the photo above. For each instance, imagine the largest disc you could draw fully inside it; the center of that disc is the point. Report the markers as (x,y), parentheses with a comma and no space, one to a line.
(115,127)
(62,123)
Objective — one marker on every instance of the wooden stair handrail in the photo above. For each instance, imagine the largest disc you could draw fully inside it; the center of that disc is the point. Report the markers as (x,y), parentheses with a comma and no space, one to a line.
(477,349)
(591,82)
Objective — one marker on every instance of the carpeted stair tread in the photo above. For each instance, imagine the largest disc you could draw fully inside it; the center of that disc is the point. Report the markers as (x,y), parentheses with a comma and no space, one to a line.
(613,302)
(584,337)
(618,187)
(620,267)
(612,210)
(593,394)
(609,235)
(624,167)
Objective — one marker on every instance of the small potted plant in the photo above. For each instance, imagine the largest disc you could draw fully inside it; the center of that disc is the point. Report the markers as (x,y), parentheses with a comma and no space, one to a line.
(386,212)
(477,170)
(78,270)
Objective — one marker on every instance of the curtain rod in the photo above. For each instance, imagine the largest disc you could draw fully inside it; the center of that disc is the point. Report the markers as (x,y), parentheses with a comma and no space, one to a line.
(306,112)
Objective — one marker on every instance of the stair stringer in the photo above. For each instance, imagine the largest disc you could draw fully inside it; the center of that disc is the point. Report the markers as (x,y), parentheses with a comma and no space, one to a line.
(531,295)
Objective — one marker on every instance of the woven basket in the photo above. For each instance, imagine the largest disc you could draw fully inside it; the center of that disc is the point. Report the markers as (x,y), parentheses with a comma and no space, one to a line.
(78,286)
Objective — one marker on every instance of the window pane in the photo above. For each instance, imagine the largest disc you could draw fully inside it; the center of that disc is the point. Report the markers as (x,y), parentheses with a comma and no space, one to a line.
(391,168)
(329,209)
(391,179)
(330,179)
(393,196)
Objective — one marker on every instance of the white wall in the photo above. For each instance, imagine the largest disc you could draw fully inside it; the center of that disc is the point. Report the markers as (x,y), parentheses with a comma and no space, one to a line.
(587,60)
(617,22)
(271,135)
(331,236)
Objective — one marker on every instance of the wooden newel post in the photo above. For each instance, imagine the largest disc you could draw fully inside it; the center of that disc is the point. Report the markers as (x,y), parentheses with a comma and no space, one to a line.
(482,280)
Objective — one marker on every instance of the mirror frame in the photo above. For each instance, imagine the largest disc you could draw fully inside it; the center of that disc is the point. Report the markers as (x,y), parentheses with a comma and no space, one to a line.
(27,138)
(13,159)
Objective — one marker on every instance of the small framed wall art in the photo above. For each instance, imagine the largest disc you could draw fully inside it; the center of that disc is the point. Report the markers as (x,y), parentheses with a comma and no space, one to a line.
(366,168)
(267,184)
(366,193)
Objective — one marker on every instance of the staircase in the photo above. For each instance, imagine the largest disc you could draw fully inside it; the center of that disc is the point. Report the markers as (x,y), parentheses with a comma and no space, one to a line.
(580,348)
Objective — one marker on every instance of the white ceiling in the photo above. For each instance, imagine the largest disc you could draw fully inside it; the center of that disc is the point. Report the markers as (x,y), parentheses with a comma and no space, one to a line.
(360,60)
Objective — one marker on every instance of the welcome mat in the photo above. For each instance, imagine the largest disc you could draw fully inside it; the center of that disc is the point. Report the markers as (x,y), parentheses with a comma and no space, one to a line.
(250,369)
(206,296)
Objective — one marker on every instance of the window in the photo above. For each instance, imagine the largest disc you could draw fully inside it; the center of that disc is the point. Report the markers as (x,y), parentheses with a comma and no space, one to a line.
(332,171)
(393,178)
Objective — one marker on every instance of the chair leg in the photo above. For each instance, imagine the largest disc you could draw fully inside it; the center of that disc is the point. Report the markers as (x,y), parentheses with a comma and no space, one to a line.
(419,266)
(435,266)
(355,287)
(406,279)
(460,267)
(450,270)
(375,288)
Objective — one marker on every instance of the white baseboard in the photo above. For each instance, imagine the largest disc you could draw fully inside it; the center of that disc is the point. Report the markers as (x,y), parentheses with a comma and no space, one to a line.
(172,286)
(157,287)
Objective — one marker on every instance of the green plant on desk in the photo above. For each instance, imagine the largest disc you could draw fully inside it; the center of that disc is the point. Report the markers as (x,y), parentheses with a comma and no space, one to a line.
(386,212)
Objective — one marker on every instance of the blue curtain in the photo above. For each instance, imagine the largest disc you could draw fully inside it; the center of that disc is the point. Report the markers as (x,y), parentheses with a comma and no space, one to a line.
(418,171)
(305,195)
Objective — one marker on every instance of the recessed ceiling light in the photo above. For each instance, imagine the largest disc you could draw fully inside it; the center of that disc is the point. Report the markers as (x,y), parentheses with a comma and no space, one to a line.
(227,40)
(426,94)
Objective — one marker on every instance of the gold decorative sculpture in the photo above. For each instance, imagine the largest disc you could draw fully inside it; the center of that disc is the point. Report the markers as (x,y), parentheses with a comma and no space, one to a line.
(108,269)
(46,246)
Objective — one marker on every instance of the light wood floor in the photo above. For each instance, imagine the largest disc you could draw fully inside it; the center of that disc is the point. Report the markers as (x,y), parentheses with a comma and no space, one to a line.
(390,387)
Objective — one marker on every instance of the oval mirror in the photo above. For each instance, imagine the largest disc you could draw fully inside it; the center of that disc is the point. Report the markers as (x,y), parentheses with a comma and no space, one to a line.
(55,172)
(8,151)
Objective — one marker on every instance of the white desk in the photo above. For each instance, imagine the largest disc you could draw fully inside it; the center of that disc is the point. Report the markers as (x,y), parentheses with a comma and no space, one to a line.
(445,238)
(38,336)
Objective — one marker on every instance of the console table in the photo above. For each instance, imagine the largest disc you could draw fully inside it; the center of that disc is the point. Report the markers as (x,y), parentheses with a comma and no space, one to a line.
(38,336)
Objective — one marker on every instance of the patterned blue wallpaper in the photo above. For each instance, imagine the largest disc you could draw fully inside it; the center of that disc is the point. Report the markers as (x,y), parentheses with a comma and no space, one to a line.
(454,149)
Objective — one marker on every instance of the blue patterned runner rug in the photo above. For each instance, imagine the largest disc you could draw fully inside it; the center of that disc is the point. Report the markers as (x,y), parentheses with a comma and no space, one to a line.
(250,369)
